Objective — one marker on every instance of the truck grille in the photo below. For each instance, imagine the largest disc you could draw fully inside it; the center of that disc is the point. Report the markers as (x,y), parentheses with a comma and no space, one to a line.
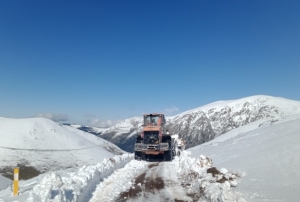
(152,147)
(151,137)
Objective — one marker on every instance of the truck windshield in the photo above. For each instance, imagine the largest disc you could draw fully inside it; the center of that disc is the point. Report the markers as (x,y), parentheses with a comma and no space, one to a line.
(150,120)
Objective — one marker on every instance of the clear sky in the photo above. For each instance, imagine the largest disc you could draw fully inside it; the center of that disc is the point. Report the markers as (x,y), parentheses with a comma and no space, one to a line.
(99,61)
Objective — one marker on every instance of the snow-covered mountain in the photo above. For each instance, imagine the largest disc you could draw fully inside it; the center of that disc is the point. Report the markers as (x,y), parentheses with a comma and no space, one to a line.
(88,129)
(210,121)
(205,123)
(45,145)
(122,134)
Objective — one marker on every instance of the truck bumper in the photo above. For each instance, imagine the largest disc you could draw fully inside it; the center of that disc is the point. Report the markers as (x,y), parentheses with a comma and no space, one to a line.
(151,148)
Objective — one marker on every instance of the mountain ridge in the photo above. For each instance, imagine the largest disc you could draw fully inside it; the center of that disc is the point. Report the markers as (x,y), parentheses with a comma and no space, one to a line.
(209,121)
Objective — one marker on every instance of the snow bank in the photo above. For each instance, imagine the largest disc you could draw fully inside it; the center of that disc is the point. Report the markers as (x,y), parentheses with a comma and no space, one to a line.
(119,182)
(76,186)
(206,182)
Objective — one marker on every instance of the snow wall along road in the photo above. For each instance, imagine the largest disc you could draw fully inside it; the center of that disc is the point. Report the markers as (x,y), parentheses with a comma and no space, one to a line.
(77,186)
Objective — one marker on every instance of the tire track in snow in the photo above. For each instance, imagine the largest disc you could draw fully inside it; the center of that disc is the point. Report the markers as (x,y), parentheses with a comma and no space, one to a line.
(109,189)
(158,183)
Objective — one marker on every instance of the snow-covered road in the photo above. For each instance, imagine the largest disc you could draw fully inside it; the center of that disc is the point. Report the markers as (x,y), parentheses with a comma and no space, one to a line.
(142,181)
(123,179)
(159,182)
(183,179)
(110,188)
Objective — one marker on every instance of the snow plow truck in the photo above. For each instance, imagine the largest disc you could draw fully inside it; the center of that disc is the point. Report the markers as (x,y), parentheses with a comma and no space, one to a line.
(154,142)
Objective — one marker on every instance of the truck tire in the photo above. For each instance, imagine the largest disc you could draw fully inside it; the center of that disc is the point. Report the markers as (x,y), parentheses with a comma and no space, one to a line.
(143,157)
(168,155)
(137,155)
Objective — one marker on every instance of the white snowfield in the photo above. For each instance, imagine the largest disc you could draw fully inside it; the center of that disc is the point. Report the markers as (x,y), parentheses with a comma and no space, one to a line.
(270,155)
(46,145)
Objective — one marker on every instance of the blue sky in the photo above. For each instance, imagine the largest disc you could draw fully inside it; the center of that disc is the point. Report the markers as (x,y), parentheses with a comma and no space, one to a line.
(97,62)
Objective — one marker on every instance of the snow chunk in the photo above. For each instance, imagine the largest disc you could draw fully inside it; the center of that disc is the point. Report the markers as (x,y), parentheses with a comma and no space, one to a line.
(199,175)
(223,171)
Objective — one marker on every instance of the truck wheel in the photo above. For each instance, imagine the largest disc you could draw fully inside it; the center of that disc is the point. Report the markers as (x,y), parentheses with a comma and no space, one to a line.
(137,155)
(168,156)
(143,157)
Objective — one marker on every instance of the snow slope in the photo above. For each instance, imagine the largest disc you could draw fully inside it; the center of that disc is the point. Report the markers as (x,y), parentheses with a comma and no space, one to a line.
(270,155)
(46,145)
(96,139)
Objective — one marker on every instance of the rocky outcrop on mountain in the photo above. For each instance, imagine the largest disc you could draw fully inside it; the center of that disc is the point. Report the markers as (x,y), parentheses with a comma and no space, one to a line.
(125,141)
(195,128)
(207,122)
(122,134)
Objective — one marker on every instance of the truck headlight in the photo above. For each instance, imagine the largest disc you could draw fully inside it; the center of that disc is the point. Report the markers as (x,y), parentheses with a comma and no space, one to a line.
(164,147)
(139,147)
